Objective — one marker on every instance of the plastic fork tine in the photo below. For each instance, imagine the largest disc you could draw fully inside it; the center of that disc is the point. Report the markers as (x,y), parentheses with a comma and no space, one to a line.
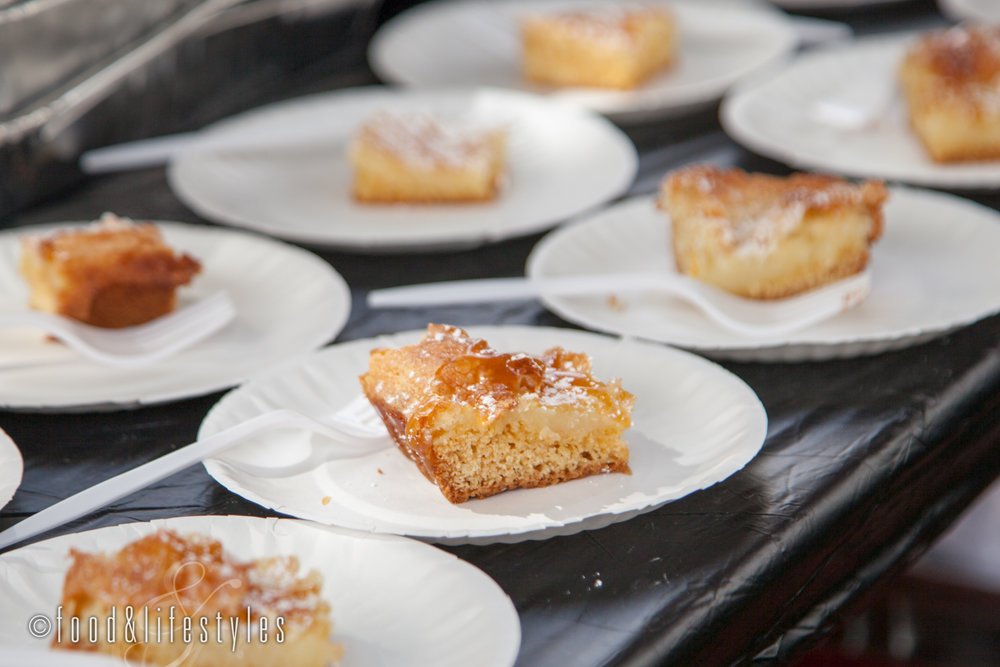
(355,424)
(207,309)
(207,313)
(359,415)
(151,338)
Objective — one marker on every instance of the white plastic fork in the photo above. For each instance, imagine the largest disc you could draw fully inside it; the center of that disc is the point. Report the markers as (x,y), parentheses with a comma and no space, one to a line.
(347,435)
(749,317)
(357,422)
(139,345)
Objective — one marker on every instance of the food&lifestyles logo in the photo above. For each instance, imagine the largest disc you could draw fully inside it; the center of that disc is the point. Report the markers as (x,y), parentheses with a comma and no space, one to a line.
(162,622)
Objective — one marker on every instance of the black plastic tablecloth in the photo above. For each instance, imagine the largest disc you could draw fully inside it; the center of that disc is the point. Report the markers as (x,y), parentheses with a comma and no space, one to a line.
(866,460)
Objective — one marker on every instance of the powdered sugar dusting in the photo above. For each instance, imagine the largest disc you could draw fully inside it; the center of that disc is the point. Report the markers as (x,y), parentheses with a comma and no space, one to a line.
(610,24)
(760,234)
(420,138)
(562,388)
(275,588)
(110,221)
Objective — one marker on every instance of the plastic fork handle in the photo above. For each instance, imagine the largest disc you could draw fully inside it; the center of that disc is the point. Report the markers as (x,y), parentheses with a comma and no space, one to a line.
(68,331)
(156,151)
(64,331)
(503,289)
(119,486)
(50,324)
(151,152)
(31,318)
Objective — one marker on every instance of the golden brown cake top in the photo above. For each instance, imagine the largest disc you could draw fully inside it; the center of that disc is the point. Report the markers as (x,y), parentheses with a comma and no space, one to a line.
(450,366)
(754,211)
(614,24)
(194,573)
(961,56)
(113,249)
(423,139)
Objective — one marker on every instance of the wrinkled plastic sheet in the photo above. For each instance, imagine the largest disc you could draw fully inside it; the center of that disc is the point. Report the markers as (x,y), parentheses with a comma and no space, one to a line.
(78,74)
(867,460)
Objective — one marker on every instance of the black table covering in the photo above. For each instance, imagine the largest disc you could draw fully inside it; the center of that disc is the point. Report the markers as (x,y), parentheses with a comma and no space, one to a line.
(866,460)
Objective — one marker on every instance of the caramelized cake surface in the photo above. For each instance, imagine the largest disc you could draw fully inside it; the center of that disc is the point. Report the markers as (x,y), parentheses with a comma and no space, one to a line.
(112,273)
(478,422)
(766,237)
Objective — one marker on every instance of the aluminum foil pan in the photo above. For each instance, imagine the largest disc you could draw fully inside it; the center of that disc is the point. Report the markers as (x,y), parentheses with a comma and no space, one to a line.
(46,43)
(77,74)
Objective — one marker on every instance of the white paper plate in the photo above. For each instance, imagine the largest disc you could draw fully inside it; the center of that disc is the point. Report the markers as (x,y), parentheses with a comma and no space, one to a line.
(393,601)
(11,468)
(767,117)
(935,269)
(694,425)
(562,160)
(475,42)
(974,10)
(288,301)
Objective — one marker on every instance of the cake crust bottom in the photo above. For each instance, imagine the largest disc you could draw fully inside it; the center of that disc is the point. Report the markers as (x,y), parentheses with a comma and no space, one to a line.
(459,488)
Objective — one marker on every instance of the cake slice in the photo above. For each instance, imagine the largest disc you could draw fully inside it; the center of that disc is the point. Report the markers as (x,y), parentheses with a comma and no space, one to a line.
(769,237)
(478,422)
(112,273)
(611,46)
(951,84)
(418,158)
(182,600)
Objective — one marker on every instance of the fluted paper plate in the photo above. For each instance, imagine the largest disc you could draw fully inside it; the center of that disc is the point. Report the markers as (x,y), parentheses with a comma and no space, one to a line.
(694,424)
(288,301)
(934,270)
(393,601)
(11,468)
